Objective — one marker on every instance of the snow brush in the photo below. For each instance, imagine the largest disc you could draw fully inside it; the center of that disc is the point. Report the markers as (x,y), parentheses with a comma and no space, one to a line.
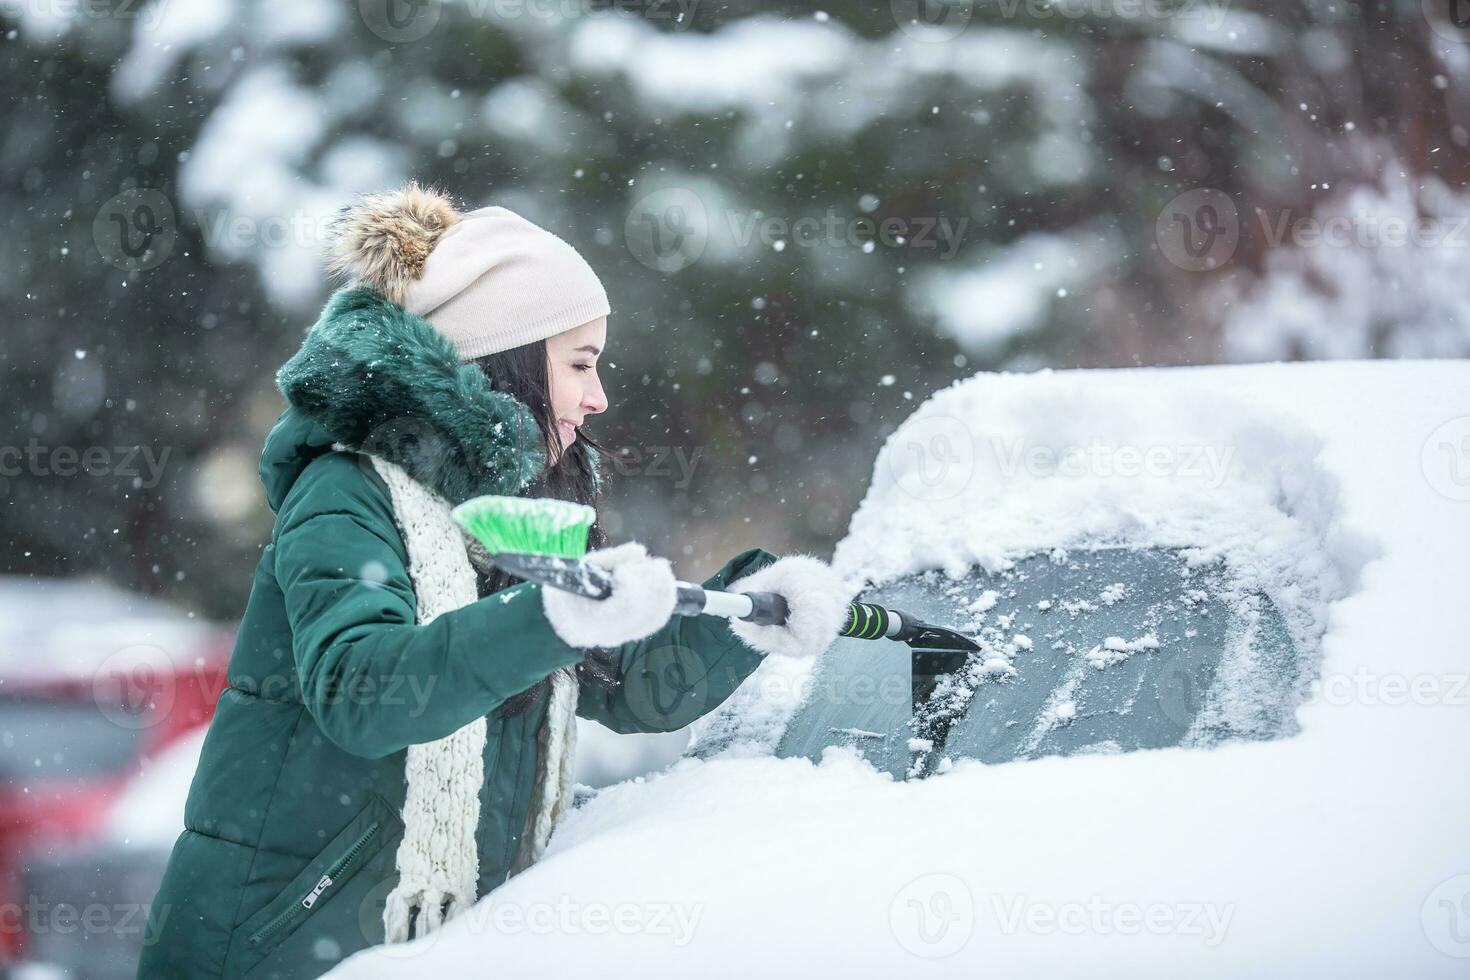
(543,540)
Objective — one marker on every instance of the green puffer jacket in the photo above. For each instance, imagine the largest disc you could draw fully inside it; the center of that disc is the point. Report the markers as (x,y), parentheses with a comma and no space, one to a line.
(302,773)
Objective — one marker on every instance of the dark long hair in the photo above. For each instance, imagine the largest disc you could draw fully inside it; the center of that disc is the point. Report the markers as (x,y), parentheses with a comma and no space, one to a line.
(524,373)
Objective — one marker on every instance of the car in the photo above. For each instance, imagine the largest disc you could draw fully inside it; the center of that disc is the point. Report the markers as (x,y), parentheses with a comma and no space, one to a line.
(96,685)
(1216,725)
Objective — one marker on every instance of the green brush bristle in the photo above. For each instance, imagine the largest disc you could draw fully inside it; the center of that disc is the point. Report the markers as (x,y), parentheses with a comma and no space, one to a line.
(535,526)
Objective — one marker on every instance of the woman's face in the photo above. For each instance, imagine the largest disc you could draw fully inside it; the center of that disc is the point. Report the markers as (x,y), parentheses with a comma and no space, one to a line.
(576,391)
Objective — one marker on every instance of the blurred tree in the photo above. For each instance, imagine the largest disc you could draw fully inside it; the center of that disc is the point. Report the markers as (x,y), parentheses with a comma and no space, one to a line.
(807,220)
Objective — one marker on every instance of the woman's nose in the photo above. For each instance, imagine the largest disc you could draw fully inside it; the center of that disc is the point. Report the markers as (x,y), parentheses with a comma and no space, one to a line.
(594,399)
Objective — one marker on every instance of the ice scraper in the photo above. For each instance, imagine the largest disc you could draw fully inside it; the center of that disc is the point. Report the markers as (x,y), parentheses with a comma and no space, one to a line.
(543,540)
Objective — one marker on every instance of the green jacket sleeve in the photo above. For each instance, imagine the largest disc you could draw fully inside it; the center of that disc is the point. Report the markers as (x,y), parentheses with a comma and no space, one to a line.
(683,671)
(343,571)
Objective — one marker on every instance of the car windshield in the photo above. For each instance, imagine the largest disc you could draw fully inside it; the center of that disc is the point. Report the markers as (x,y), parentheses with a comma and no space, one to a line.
(1089,651)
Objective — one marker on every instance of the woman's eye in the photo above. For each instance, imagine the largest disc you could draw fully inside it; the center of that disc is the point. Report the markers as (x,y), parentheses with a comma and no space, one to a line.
(582,367)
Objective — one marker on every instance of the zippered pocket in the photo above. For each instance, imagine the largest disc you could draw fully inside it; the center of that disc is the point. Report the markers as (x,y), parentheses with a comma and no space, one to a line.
(328,879)
(337,871)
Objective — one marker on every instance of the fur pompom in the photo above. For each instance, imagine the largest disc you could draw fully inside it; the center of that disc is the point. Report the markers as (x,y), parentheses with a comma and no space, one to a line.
(384,239)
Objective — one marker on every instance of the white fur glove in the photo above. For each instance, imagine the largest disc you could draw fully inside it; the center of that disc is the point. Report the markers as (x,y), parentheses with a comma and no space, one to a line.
(816,602)
(642,600)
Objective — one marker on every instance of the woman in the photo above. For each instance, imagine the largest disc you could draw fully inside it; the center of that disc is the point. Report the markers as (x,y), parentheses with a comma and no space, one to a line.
(396,736)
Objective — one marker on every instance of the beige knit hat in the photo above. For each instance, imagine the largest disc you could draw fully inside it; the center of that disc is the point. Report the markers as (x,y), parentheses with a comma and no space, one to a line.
(488,280)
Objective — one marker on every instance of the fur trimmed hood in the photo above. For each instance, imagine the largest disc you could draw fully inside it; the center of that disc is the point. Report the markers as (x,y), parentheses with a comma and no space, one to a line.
(380,380)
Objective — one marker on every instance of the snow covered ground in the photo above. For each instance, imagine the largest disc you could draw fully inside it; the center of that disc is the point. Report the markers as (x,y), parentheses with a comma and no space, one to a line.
(1341,852)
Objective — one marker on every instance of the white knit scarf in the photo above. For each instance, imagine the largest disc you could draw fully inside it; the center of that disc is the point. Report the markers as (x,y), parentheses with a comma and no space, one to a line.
(438,862)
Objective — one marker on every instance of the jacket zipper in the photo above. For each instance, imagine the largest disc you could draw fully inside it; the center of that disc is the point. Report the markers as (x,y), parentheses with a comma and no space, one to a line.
(326,881)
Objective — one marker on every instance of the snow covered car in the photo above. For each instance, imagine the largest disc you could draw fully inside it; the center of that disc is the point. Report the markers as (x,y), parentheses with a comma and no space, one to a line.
(1217,723)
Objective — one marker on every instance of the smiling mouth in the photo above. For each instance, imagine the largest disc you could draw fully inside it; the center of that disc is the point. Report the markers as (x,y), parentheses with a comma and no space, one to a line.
(568,432)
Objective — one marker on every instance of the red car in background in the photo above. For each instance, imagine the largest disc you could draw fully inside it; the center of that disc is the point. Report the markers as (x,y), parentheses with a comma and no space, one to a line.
(95,685)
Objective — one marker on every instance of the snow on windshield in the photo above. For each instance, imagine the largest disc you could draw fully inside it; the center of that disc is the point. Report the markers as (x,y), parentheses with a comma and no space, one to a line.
(1001,466)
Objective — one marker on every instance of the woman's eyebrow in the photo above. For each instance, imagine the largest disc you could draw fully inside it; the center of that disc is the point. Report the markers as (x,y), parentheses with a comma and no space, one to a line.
(591,349)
